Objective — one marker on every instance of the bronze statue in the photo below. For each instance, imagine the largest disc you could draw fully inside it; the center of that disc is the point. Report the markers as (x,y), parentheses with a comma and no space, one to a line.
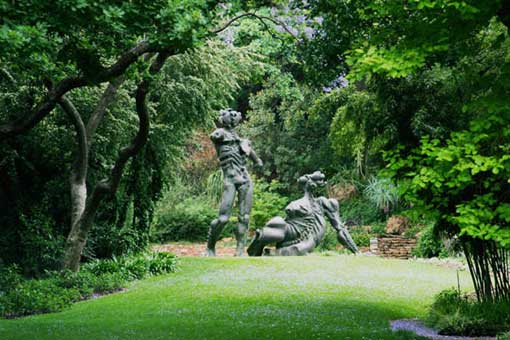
(232,152)
(305,225)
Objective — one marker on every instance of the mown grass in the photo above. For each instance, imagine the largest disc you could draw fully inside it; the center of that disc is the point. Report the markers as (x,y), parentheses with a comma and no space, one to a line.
(314,297)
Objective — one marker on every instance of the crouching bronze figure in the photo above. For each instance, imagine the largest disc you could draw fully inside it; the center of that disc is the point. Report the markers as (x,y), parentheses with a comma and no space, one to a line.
(305,225)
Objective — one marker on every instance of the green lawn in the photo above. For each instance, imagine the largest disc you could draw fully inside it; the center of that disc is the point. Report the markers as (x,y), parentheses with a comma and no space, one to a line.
(313,297)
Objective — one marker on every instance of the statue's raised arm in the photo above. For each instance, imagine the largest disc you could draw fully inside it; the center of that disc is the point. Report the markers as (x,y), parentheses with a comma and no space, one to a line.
(248,150)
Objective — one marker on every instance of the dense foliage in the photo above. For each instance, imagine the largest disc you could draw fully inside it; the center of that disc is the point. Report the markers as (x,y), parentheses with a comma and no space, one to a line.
(20,297)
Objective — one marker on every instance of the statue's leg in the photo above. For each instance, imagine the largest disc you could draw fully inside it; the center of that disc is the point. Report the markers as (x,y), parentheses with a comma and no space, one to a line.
(298,249)
(267,235)
(245,202)
(217,224)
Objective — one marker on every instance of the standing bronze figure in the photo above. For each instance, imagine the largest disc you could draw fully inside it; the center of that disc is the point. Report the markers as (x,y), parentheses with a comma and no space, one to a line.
(232,153)
(305,225)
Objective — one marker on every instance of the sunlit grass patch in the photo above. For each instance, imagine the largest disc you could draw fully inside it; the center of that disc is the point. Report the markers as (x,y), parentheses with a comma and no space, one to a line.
(313,297)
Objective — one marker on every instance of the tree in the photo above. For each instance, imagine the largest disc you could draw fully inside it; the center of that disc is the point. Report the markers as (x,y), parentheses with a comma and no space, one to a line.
(439,73)
(59,55)
(97,45)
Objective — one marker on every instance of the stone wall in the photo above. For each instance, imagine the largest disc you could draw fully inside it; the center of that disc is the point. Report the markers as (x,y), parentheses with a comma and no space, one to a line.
(392,246)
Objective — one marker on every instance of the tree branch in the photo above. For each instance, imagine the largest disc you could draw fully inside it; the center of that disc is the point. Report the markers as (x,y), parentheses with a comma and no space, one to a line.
(106,99)
(111,184)
(25,123)
(7,75)
(143,132)
(78,235)
(78,176)
(261,18)
(81,159)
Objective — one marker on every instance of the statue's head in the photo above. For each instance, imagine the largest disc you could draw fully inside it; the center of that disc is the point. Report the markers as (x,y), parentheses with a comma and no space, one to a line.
(312,181)
(229,118)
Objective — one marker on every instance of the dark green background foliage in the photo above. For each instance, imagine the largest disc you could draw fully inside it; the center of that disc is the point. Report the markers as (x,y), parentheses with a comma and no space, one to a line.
(185,221)
(430,244)
(35,167)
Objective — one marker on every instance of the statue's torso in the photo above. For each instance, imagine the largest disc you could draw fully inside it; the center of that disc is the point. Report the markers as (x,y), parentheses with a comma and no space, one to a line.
(232,152)
(305,219)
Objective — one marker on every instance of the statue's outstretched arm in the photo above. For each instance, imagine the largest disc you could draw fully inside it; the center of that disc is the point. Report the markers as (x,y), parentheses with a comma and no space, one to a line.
(248,150)
(256,159)
(331,210)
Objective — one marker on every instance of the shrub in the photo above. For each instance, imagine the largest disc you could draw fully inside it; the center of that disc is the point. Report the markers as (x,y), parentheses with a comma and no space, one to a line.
(41,243)
(382,193)
(329,242)
(36,296)
(429,244)
(361,239)
(455,314)
(267,203)
(360,211)
(83,281)
(186,221)
(136,266)
(503,336)
(379,228)
(9,277)
(100,267)
(109,283)
(190,219)
(19,296)
(162,263)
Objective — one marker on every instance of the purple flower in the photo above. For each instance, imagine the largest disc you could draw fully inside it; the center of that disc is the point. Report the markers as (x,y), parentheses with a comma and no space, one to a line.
(340,82)
(319,20)
(279,29)
(228,36)
(300,19)
(309,33)
(293,31)
(327,89)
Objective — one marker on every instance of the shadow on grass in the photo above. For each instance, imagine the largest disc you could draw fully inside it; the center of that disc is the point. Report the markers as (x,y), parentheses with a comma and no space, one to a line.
(219,317)
(343,298)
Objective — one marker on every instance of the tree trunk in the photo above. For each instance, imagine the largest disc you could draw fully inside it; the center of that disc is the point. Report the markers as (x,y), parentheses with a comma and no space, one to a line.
(489,269)
(77,238)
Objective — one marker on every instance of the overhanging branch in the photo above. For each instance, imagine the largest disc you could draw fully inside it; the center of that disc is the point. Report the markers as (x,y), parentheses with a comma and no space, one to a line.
(100,110)
(261,18)
(81,159)
(26,122)
(142,135)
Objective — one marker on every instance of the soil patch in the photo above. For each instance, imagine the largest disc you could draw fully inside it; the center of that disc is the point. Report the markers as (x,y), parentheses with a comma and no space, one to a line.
(225,247)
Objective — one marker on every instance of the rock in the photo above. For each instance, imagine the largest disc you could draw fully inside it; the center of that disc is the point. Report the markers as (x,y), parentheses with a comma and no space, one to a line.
(342,191)
(397,225)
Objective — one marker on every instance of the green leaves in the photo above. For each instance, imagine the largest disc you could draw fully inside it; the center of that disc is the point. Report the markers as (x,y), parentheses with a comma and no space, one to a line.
(395,39)
(49,39)
(393,62)
(465,179)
